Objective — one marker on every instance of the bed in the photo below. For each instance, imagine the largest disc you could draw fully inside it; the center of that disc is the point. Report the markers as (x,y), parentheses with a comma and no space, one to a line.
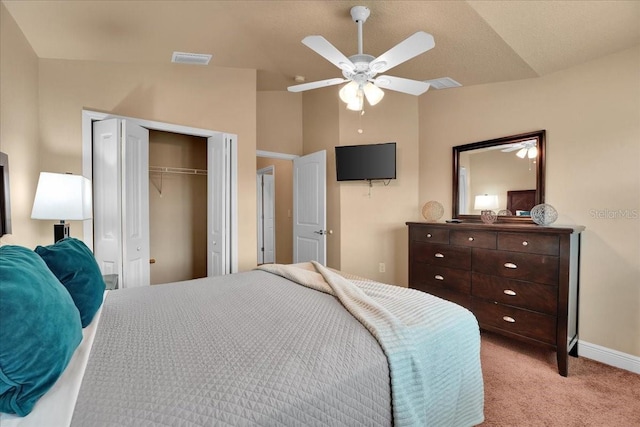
(279,346)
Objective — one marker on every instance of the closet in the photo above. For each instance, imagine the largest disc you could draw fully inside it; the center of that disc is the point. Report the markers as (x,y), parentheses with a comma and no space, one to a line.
(177,206)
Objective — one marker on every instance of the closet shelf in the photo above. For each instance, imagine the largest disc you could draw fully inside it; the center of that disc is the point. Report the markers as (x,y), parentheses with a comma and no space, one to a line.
(183,171)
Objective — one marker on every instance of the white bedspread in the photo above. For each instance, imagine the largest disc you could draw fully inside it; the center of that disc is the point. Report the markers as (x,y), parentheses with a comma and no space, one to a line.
(433,348)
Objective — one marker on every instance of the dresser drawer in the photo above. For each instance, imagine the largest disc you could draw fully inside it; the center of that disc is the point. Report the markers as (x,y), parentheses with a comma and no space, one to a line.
(429,234)
(541,327)
(442,255)
(460,299)
(532,296)
(474,238)
(543,244)
(444,277)
(513,265)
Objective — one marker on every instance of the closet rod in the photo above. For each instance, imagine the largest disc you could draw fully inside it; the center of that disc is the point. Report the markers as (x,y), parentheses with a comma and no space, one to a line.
(184,171)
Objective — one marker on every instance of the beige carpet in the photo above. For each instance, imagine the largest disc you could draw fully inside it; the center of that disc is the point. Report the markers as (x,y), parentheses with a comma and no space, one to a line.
(523,388)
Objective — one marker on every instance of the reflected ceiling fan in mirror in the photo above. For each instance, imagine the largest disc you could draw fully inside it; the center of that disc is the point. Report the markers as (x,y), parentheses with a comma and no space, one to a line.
(361,70)
(525,149)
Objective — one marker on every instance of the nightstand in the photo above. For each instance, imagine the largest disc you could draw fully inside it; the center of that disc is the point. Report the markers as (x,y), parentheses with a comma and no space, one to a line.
(111,281)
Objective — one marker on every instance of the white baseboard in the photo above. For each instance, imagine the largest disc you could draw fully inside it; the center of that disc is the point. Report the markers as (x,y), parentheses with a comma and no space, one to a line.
(609,357)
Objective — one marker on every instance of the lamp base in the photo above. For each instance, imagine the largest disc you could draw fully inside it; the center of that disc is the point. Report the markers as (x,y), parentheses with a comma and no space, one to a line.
(60,231)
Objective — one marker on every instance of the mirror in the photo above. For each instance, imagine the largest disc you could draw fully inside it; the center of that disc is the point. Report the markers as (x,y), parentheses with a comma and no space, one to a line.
(499,174)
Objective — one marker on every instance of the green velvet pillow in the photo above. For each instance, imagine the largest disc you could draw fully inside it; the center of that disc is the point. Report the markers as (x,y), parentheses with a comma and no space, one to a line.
(39,329)
(74,265)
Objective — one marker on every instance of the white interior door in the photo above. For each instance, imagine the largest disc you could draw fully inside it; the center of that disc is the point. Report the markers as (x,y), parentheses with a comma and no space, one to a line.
(121,200)
(268,203)
(135,205)
(107,224)
(218,210)
(259,221)
(309,208)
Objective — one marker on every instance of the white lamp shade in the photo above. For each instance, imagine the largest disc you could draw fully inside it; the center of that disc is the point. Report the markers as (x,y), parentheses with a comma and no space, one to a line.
(62,197)
(356,103)
(533,152)
(349,92)
(373,93)
(522,153)
(485,202)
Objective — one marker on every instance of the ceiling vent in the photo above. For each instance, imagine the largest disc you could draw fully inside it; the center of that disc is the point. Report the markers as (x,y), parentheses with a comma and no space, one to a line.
(443,83)
(190,58)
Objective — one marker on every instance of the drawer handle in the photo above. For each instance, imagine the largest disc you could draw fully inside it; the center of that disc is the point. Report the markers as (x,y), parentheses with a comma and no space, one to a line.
(438,277)
(525,243)
(510,265)
(429,235)
(509,292)
(508,319)
(471,239)
(439,255)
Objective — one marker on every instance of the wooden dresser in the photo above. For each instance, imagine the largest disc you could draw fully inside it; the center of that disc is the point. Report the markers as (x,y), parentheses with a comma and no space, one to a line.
(519,280)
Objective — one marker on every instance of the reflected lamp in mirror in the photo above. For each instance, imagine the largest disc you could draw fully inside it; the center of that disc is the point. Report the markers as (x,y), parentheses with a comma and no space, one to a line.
(486,202)
(62,197)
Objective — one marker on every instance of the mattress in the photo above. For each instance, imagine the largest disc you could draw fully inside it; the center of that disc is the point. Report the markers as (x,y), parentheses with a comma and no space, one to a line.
(246,349)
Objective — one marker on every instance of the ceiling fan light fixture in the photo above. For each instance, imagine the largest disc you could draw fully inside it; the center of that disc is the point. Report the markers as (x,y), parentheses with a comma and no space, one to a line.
(356,104)
(533,152)
(349,92)
(373,93)
(522,153)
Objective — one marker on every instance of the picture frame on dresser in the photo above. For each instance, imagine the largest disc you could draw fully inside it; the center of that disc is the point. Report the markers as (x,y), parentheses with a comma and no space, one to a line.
(520,280)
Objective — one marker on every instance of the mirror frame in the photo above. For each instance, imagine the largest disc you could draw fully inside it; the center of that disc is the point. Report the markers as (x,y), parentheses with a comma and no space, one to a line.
(540,135)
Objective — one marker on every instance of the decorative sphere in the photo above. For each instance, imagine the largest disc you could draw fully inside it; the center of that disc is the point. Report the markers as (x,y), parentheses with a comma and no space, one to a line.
(432,211)
(544,214)
(488,217)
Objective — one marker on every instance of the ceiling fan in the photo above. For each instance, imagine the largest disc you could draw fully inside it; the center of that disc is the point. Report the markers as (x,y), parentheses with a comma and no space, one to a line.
(361,70)
(526,148)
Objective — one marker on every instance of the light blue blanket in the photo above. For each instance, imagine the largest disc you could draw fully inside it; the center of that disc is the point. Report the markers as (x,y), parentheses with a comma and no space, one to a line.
(432,345)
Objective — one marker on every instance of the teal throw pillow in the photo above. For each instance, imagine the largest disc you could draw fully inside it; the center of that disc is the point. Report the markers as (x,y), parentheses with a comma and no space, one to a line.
(39,329)
(74,265)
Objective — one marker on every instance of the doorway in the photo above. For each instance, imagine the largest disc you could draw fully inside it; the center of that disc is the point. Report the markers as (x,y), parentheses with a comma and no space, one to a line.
(222,253)
(265,191)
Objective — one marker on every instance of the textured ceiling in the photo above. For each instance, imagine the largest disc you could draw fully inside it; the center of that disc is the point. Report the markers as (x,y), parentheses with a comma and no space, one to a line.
(476,41)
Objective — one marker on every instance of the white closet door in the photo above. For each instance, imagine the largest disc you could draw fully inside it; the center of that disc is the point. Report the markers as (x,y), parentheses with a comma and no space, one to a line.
(135,205)
(217,206)
(107,225)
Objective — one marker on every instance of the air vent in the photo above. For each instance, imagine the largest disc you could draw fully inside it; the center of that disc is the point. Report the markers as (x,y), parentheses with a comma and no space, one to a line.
(443,83)
(191,58)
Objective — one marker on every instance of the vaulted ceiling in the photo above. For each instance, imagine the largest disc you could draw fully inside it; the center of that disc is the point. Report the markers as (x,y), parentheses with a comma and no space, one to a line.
(477,42)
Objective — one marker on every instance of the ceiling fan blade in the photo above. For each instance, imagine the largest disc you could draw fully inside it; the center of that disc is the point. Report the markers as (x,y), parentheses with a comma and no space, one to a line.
(514,148)
(329,52)
(412,87)
(315,85)
(412,46)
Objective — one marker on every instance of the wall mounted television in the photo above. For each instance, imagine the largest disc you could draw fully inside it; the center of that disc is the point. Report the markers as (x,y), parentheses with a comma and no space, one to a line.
(366,162)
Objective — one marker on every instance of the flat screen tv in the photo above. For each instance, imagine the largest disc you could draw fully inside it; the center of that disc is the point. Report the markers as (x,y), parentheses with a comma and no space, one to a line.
(366,162)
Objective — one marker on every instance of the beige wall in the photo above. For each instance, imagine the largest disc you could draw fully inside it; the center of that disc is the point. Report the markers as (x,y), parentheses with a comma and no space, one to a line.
(177,208)
(372,223)
(367,230)
(279,122)
(19,131)
(283,176)
(220,99)
(592,116)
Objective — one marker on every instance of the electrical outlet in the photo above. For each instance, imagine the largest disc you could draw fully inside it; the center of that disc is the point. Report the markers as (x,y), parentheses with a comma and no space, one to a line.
(381,267)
